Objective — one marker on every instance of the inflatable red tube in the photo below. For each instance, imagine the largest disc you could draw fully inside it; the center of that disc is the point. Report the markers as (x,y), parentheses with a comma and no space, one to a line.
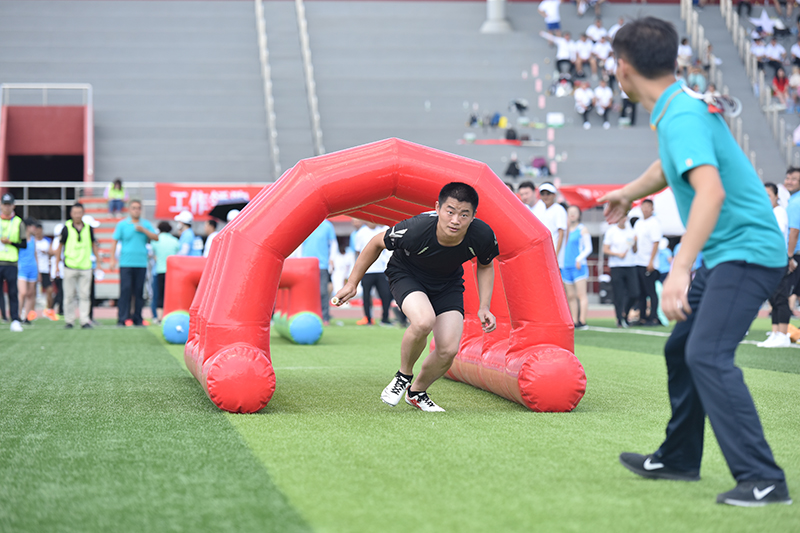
(529,359)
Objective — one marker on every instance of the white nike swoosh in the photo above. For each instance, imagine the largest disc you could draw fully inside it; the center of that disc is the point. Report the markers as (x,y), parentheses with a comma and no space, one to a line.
(648,465)
(761,494)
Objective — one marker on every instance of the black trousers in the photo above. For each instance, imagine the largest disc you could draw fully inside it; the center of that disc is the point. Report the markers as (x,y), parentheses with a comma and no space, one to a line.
(781,313)
(625,283)
(58,300)
(647,289)
(379,281)
(627,105)
(702,377)
(131,286)
(9,274)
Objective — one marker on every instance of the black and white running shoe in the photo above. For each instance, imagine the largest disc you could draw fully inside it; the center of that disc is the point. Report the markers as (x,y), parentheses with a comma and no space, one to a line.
(756,494)
(394,390)
(650,467)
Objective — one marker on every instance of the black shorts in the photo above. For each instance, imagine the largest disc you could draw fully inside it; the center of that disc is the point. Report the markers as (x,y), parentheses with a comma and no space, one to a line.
(45,277)
(450,298)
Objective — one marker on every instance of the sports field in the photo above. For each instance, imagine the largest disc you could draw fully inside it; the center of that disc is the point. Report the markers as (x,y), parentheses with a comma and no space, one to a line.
(105,430)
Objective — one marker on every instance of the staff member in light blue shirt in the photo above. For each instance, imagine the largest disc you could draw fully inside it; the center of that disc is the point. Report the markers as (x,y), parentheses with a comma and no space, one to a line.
(133,233)
(319,244)
(728,216)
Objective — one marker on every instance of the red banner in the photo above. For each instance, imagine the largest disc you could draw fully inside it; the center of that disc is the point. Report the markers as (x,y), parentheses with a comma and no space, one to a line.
(171,199)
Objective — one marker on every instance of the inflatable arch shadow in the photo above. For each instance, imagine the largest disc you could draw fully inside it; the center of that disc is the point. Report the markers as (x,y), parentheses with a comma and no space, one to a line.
(528,359)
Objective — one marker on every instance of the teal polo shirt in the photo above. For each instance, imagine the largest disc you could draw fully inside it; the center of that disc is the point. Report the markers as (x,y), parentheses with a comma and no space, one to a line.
(134,243)
(690,136)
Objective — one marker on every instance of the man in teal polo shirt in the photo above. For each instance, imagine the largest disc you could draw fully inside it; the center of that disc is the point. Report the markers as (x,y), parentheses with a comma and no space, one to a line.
(133,233)
(744,259)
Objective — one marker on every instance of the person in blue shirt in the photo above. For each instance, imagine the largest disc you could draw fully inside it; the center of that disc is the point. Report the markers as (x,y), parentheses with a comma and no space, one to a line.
(133,233)
(319,244)
(190,244)
(575,272)
(744,259)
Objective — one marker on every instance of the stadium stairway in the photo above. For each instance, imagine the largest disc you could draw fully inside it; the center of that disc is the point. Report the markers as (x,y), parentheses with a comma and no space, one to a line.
(414,69)
(770,163)
(293,121)
(178,94)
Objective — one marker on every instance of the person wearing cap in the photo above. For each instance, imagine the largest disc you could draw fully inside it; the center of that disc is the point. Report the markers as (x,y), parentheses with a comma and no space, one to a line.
(12,238)
(553,216)
(78,243)
(133,233)
(190,243)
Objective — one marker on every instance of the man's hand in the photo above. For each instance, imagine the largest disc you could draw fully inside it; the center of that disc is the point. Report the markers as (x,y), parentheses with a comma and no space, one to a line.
(112,263)
(345,293)
(792,265)
(674,295)
(650,266)
(488,322)
(139,228)
(578,264)
(617,206)
(5,240)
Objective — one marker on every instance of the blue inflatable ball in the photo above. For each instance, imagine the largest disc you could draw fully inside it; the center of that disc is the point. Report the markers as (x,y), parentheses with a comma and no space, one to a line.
(175,327)
(305,328)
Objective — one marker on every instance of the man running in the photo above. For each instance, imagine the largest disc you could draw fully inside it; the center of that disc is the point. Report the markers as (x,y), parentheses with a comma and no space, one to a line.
(728,217)
(426,279)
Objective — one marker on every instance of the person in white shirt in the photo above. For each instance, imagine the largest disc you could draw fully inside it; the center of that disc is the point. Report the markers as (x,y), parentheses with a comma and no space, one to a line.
(610,71)
(584,102)
(583,53)
(600,52)
(596,30)
(549,10)
(211,233)
(527,193)
(684,57)
(618,246)
(780,213)
(775,54)
(795,51)
(759,52)
(564,50)
(375,275)
(553,216)
(604,101)
(648,234)
(583,5)
(612,31)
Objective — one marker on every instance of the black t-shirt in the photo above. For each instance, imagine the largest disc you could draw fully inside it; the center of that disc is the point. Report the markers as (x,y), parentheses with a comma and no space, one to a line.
(419,254)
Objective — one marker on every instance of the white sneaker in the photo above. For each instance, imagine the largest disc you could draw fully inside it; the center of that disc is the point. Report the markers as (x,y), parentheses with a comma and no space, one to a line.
(423,402)
(394,390)
(16,326)
(586,125)
(606,125)
(776,340)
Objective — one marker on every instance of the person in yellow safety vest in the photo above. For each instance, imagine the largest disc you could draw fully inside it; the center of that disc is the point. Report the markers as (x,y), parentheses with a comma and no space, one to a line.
(116,196)
(78,243)
(12,237)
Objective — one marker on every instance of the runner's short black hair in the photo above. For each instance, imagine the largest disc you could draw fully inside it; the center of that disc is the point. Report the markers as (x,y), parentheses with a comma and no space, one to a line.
(650,45)
(460,192)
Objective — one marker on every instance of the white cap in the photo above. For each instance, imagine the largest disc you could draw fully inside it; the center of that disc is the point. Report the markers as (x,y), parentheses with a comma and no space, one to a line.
(185,217)
(58,229)
(547,187)
(232,214)
(90,221)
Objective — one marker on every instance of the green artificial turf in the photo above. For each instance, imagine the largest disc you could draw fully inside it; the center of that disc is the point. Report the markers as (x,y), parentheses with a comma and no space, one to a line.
(105,430)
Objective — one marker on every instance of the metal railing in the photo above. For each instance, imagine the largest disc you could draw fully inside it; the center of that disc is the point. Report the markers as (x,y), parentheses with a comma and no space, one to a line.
(311,85)
(269,100)
(759,82)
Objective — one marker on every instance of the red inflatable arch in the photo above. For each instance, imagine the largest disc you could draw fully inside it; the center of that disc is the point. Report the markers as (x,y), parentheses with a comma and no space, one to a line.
(180,284)
(528,359)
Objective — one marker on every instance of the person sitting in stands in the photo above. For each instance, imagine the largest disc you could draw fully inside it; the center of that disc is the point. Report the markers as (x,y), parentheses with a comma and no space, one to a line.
(780,86)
